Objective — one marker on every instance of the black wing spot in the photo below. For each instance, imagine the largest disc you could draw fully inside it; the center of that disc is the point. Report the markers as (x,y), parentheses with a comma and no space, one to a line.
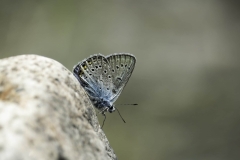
(113,70)
(96,67)
(120,79)
(125,65)
(81,72)
(114,91)
(107,88)
(84,67)
(109,76)
(105,71)
(94,59)
(89,62)
(121,65)
(117,67)
(93,69)
(100,66)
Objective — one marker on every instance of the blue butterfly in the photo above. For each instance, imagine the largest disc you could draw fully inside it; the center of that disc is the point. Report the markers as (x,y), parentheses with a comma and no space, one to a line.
(104,78)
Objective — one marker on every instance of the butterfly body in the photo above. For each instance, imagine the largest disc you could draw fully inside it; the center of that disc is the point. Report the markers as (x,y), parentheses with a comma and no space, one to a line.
(104,77)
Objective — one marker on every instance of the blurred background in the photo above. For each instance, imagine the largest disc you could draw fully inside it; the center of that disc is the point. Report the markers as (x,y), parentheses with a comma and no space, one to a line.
(186,80)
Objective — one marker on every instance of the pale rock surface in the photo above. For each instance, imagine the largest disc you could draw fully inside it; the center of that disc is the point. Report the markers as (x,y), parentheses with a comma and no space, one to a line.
(45,114)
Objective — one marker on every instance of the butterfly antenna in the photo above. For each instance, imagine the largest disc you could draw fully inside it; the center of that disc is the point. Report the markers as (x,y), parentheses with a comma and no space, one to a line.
(120,115)
(134,104)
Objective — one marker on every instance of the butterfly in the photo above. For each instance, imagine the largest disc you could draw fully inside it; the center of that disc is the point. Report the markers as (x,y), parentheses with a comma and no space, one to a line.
(104,78)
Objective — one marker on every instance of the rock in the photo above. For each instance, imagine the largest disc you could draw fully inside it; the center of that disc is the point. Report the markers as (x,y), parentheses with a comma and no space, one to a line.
(45,114)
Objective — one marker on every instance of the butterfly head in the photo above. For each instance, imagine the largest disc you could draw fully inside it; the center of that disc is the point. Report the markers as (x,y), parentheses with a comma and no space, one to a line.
(104,105)
(111,109)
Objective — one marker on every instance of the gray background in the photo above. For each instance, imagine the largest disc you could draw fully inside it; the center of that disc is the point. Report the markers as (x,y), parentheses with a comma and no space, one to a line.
(186,79)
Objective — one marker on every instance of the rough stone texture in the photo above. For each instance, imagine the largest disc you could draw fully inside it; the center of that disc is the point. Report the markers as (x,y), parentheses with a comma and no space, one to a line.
(45,114)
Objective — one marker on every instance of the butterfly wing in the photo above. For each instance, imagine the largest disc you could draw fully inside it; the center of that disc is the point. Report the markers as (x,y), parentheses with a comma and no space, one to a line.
(104,78)
(93,75)
(121,67)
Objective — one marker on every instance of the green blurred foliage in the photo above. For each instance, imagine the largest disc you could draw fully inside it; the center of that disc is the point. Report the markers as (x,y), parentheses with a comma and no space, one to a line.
(186,79)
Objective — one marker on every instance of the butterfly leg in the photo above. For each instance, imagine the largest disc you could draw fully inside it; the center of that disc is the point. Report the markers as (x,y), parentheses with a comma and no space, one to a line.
(103,113)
